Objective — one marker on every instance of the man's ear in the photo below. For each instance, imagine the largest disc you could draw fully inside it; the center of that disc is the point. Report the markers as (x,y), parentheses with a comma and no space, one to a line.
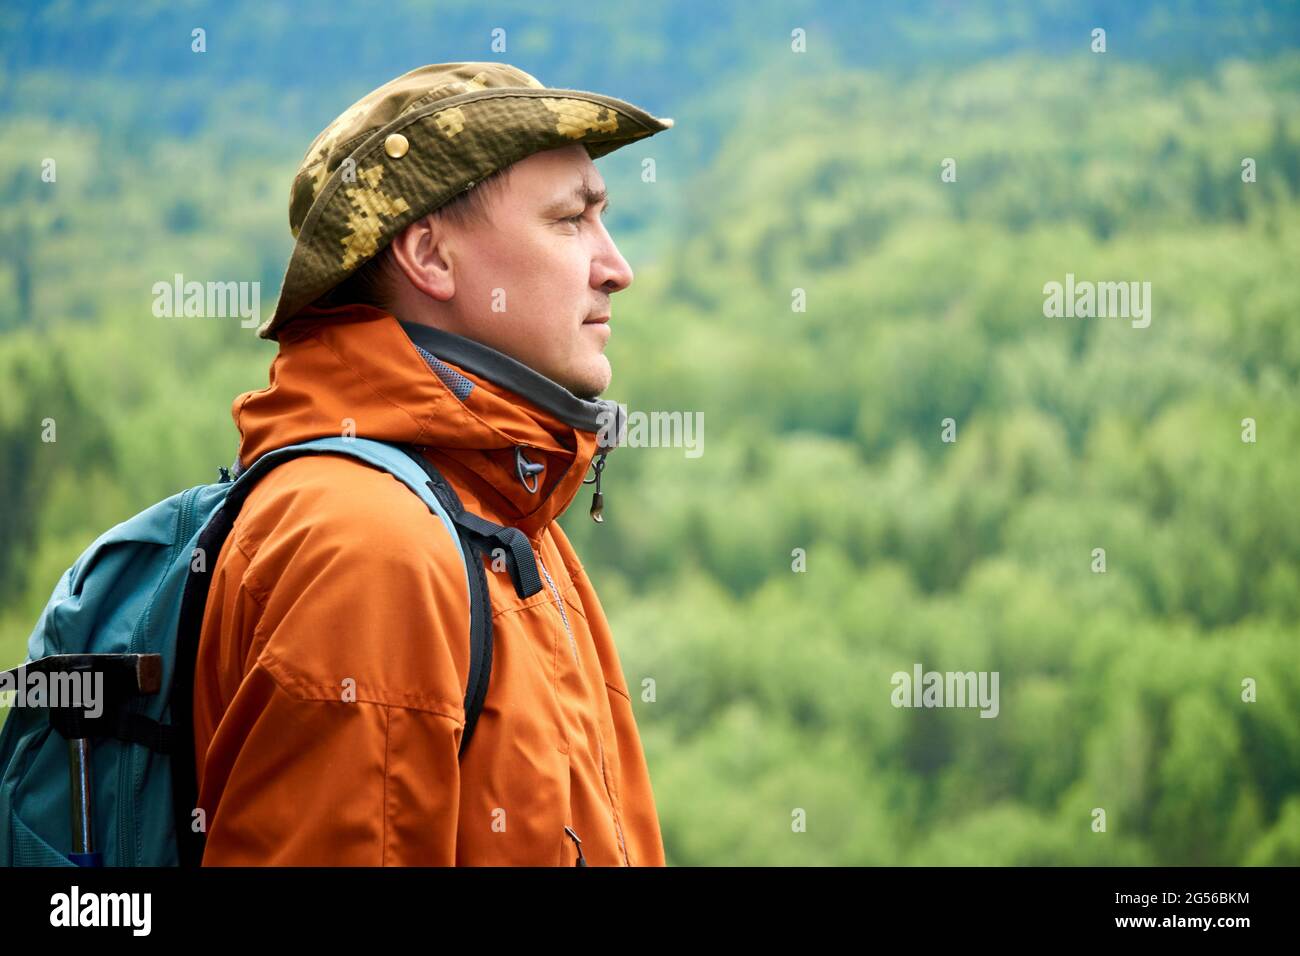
(422,253)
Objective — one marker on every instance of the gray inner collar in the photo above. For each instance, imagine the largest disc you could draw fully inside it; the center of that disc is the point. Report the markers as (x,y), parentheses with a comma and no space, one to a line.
(510,373)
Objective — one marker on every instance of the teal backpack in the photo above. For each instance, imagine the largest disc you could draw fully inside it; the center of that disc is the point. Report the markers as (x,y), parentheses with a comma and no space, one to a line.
(118,788)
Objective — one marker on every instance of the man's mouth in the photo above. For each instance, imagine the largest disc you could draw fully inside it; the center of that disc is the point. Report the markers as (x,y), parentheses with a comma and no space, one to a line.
(597,320)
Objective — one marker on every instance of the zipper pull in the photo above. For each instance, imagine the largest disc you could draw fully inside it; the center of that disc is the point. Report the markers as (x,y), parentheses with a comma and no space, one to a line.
(582,860)
(597,499)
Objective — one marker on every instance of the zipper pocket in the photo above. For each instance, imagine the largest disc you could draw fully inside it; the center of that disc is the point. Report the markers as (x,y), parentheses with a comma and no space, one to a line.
(618,827)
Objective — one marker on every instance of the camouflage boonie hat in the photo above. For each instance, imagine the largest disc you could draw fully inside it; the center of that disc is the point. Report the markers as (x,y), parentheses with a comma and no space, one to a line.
(417,142)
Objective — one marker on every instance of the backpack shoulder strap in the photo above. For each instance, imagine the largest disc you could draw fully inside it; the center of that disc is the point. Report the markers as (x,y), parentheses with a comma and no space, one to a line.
(483,534)
(414,471)
(478,536)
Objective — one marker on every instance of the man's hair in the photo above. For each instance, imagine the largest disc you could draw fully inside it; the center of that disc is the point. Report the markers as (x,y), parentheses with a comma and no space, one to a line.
(371,283)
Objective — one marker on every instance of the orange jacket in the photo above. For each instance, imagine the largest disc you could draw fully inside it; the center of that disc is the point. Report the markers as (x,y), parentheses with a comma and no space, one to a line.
(336,575)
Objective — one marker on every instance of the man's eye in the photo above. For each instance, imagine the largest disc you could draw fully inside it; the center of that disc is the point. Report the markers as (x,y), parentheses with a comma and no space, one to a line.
(578,217)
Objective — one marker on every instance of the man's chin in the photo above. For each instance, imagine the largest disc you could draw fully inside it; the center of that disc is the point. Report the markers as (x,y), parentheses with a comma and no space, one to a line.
(587,392)
(590,382)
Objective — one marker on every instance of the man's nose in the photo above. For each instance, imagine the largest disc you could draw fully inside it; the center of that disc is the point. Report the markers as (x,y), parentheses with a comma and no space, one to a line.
(610,271)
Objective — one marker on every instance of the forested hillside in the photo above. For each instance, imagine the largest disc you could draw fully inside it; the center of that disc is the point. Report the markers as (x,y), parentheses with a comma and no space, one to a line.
(904,460)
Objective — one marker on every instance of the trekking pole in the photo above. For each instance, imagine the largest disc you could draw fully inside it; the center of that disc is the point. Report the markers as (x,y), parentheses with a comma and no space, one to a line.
(83,835)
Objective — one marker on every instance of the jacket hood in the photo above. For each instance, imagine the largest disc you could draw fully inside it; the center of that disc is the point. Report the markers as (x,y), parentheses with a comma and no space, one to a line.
(487,420)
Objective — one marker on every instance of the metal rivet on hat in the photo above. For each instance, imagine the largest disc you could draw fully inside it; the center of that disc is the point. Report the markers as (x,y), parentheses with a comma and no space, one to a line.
(396,145)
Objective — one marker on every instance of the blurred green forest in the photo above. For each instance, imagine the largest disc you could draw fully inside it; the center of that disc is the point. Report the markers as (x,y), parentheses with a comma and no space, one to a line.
(817,172)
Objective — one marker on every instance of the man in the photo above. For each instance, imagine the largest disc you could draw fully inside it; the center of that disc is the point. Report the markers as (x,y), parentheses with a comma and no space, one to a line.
(450,289)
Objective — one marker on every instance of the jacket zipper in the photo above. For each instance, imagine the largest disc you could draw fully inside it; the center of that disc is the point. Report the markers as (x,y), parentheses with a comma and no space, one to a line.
(559,603)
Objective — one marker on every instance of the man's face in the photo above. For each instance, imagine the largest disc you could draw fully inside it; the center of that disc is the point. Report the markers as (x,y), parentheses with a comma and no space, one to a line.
(530,281)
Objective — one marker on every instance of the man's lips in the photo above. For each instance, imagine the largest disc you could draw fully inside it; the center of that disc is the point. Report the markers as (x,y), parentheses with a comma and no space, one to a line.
(598,320)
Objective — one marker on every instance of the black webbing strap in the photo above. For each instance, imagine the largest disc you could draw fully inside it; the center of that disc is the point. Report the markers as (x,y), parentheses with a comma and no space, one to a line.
(477,536)
(119,724)
(520,561)
(139,729)
(480,599)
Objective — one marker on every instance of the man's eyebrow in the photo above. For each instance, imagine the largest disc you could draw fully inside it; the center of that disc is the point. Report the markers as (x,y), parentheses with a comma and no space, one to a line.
(584,194)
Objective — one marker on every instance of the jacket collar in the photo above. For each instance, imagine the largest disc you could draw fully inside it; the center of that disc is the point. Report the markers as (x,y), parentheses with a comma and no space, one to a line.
(485,419)
(509,373)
